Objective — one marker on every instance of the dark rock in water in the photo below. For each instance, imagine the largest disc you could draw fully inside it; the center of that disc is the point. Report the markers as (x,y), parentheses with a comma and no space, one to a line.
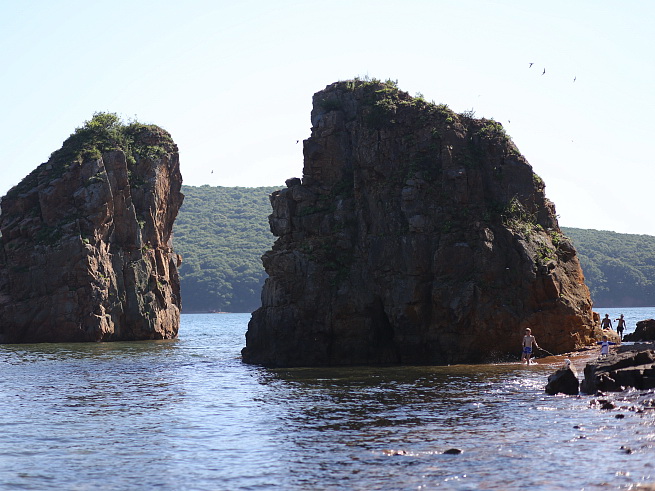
(645,331)
(619,371)
(603,404)
(85,251)
(453,451)
(563,381)
(416,236)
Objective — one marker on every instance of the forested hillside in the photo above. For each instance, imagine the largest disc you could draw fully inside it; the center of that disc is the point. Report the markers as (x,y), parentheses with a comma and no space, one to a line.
(619,269)
(222,233)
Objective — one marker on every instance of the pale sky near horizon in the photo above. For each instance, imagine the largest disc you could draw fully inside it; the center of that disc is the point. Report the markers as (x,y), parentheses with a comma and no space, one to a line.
(233,81)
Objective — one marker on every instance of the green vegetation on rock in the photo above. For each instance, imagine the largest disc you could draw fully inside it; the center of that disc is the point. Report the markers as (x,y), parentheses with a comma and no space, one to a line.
(104,132)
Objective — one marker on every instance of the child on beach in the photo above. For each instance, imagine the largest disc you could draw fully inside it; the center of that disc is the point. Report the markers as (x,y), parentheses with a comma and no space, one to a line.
(605,346)
(528,340)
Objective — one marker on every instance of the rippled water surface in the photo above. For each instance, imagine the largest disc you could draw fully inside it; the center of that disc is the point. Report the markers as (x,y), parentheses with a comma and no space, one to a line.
(187,414)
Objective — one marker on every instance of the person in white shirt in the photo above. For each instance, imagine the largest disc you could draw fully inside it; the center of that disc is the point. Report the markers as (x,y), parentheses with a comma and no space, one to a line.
(605,346)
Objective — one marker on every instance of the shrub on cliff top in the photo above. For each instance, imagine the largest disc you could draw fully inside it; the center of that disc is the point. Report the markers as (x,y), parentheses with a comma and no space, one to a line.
(105,132)
(492,129)
(102,133)
(384,99)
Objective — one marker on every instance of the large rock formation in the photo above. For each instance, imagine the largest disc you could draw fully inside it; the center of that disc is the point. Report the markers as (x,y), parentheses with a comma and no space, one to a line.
(416,236)
(85,251)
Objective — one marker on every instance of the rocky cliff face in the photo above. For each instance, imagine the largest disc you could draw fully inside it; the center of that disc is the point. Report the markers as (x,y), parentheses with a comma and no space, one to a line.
(416,236)
(85,252)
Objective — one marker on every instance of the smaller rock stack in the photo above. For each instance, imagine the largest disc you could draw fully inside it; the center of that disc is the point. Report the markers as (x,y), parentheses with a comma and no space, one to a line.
(85,251)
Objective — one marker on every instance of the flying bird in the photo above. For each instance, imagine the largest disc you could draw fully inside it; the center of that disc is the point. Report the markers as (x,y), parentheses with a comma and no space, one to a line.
(575,78)
(531,65)
(544,71)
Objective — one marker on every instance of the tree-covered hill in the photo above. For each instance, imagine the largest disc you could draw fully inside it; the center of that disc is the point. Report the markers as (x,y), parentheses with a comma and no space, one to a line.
(619,269)
(222,233)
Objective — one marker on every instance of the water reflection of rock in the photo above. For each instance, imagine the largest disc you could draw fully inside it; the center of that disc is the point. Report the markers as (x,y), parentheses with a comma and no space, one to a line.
(102,379)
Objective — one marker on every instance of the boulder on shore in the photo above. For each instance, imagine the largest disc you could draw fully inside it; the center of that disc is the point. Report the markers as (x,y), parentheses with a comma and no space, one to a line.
(85,246)
(619,371)
(645,331)
(612,336)
(416,236)
(563,381)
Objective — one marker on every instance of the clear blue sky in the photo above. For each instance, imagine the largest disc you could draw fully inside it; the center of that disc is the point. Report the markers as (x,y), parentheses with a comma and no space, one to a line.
(233,81)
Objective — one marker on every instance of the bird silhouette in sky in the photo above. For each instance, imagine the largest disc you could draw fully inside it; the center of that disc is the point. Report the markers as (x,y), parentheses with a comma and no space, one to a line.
(531,65)
(544,71)
(575,78)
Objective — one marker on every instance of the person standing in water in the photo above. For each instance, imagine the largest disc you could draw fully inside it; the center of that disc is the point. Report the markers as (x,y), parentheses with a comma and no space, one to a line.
(528,341)
(620,326)
(606,322)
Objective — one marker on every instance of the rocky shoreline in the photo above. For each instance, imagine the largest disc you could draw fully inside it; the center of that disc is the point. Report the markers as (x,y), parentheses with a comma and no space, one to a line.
(622,381)
(627,379)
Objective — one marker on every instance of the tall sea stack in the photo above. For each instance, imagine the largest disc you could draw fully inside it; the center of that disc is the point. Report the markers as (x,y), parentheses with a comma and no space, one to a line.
(85,251)
(416,236)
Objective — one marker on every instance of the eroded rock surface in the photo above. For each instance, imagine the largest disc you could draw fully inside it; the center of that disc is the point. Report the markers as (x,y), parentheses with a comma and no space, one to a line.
(85,252)
(619,371)
(416,236)
(645,331)
(563,381)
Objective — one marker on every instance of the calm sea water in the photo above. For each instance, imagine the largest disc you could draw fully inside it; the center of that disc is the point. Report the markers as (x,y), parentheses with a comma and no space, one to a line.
(187,414)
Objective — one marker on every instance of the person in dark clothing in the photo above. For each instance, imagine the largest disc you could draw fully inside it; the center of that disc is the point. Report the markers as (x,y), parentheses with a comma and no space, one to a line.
(620,326)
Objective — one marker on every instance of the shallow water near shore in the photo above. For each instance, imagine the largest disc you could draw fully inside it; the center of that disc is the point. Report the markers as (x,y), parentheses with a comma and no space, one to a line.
(187,414)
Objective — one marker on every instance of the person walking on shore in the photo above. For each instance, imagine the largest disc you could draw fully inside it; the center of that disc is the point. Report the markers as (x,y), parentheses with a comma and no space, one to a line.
(606,322)
(620,326)
(528,341)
